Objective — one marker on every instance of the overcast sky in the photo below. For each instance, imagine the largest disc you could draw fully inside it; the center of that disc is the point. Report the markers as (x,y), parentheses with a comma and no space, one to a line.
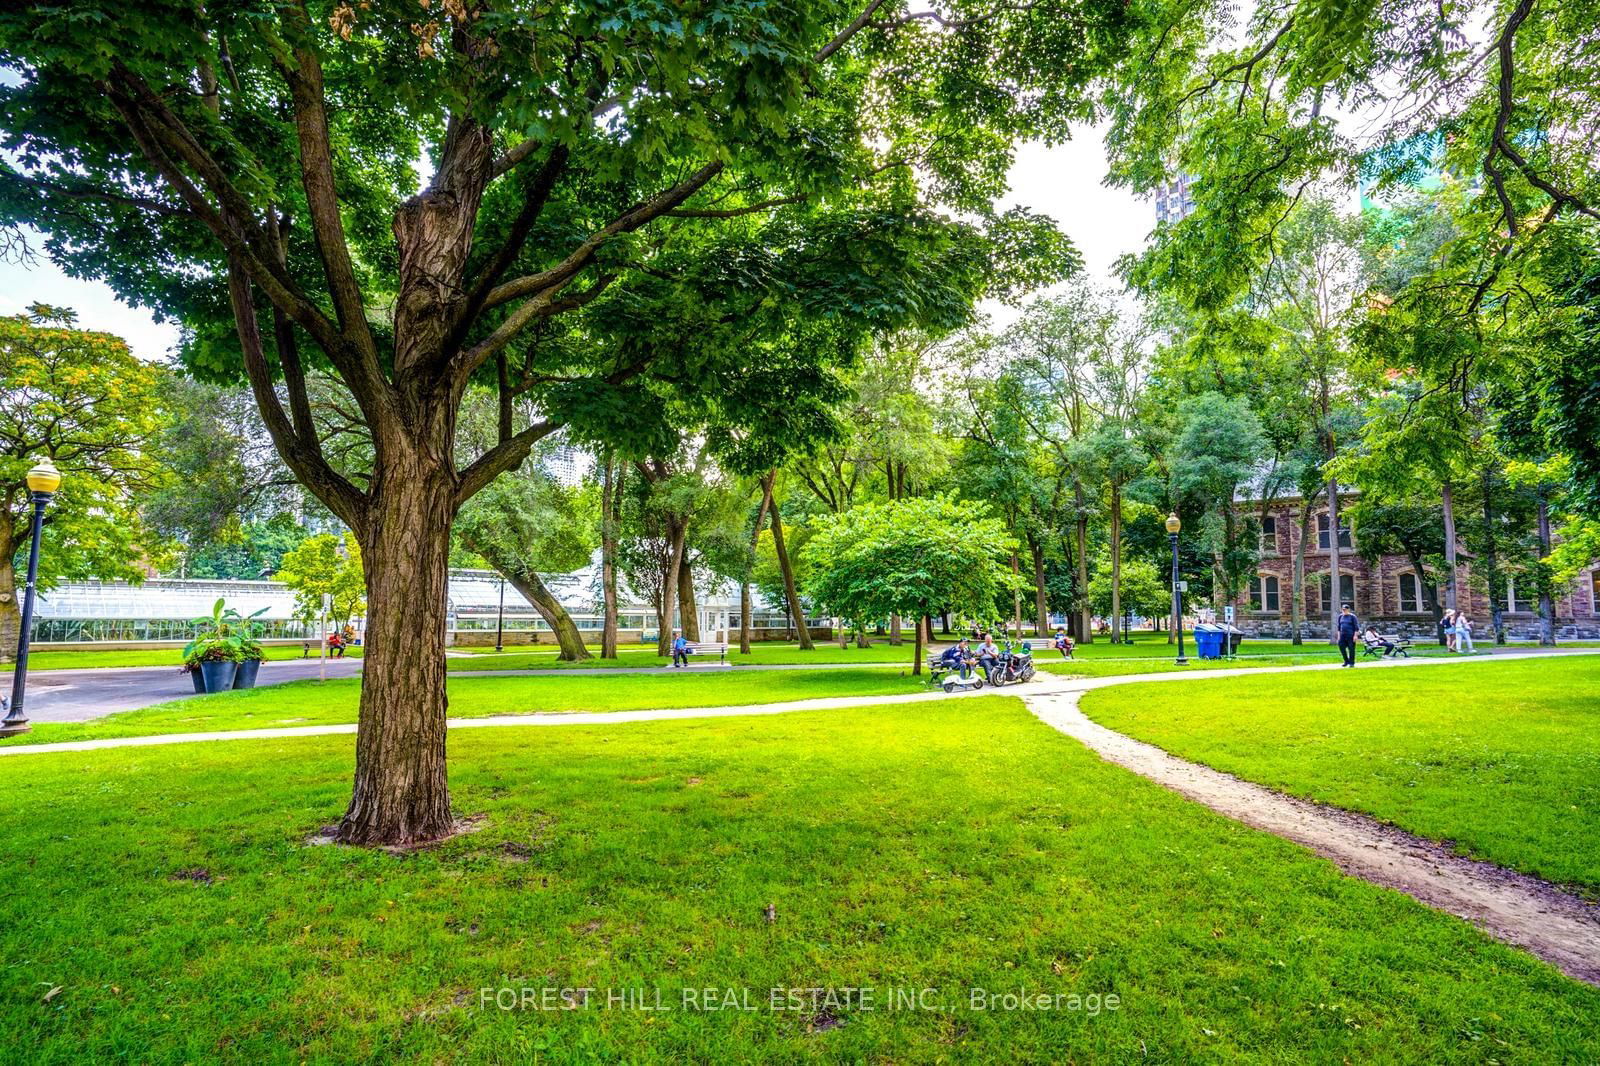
(1063,182)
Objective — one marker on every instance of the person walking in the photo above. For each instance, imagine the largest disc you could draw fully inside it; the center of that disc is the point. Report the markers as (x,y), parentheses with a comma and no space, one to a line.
(1348,628)
(1448,625)
(1464,634)
(680,650)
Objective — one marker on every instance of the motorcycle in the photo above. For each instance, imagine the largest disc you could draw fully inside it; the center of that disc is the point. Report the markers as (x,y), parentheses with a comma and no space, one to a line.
(1013,666)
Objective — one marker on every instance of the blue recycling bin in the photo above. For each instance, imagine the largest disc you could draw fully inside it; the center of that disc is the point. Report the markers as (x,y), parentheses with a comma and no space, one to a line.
(1208,642)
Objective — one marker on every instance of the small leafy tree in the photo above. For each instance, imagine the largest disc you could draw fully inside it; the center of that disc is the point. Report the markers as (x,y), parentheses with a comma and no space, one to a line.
(316,568)
(83,400)
(913,557)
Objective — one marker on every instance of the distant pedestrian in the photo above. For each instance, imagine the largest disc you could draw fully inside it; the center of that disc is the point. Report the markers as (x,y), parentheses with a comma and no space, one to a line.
(1348,628)
(1464,634)
(680,650)
(1448,625)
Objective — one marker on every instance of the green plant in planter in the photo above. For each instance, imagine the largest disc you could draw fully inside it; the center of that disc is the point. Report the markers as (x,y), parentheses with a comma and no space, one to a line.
(216,640)
(248,632)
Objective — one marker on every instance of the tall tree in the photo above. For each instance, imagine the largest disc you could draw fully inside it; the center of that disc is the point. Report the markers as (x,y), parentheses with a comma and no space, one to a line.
(526,523)
(602,171)
(81,399)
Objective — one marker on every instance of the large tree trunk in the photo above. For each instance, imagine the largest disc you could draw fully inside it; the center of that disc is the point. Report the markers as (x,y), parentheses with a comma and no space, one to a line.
(609,495)
(916,661)
(1117,629)
(1332,606)
(1493,578)
(678,536)
(1085,625)
(1041,604)
(10,609)
(1297,579)
(688,606)
(1547,607)
(401,794)
(895,638)
(556,617)
(1452,589)
(790,591)
(744,586)
(1016,595)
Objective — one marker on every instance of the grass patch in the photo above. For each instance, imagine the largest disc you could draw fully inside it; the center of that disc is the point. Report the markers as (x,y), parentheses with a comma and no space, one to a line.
(1503,760)
(305,703)
(167,894)
(173,657)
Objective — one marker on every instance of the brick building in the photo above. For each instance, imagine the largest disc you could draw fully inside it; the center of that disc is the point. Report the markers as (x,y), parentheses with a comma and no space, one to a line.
(1387,592)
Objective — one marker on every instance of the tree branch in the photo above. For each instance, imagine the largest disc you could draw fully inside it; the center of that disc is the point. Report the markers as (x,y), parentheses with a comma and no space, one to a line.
(506,455)
(304,458)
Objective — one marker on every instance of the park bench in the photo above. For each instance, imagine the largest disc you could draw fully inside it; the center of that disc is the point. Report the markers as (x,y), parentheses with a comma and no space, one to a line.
(706,647)
(1376,649)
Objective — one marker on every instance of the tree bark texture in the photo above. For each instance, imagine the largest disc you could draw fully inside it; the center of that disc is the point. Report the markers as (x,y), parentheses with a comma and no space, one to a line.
(1452,588)
(688,606)
(677,538)
(744,585)
(1332,606)
(790,591)
(1041,604)
(1547,607)
(568,638)
(1117,629)
(400,793)
(610,496)
(1297,580)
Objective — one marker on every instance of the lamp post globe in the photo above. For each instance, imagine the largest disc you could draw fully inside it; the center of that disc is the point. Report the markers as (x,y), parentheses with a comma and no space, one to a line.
(1173,526)
(43,481)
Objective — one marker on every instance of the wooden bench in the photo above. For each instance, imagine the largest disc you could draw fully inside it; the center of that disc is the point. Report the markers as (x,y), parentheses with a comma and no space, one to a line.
(1376,648)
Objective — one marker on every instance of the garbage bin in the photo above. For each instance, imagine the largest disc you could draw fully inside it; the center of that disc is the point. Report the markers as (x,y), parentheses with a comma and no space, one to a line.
(1208,641)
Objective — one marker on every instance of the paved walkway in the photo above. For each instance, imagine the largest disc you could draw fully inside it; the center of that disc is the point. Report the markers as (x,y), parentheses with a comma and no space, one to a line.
(1532,914)
(83,695)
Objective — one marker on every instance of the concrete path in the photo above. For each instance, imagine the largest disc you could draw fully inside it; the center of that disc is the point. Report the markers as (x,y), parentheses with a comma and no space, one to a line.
(1536,916)
(827,703)
(83,695)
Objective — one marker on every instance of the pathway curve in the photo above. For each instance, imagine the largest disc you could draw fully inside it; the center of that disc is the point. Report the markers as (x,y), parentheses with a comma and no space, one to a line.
(1516,908)
(1558,927)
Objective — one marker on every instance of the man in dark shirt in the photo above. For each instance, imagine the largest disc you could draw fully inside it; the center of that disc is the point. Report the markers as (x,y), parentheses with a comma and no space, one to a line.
(1348,628)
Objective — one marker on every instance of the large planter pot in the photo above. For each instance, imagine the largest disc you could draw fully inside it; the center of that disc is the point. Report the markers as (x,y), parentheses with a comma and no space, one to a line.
(218,676)
(199,681)
(246,675)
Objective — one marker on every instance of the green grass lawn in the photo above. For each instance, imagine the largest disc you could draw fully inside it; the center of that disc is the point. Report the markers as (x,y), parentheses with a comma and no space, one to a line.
(303,703)
(162,907)
(1502,759)
(94,660)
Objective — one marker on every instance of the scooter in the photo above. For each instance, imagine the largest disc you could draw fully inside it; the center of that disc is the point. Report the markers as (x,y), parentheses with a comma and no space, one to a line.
(950,679)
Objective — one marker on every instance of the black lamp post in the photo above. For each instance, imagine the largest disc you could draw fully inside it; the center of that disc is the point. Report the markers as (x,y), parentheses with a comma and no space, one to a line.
(1173,525)
(43,480)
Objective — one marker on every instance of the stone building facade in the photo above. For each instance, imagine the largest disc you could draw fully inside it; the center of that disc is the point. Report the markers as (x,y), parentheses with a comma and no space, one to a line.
(1386,592)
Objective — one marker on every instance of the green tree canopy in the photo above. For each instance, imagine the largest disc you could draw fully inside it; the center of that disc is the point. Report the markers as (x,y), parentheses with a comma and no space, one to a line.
(317,568)
(81,399)
(912,557)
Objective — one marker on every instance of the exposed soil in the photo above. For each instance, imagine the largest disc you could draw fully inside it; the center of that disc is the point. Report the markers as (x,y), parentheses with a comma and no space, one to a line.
(1558,927)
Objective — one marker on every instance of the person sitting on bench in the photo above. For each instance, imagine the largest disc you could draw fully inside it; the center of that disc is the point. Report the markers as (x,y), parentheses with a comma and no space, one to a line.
(680,649)
(1375,639)
(1063,644)
(957,657)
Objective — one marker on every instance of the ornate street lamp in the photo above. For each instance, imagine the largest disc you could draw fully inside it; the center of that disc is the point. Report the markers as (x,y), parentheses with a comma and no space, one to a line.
(43,481)
(1173,525)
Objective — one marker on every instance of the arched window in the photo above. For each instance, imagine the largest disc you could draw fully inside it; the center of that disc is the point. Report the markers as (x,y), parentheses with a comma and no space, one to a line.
(1347,590)
(1413,596)
(1264,593)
